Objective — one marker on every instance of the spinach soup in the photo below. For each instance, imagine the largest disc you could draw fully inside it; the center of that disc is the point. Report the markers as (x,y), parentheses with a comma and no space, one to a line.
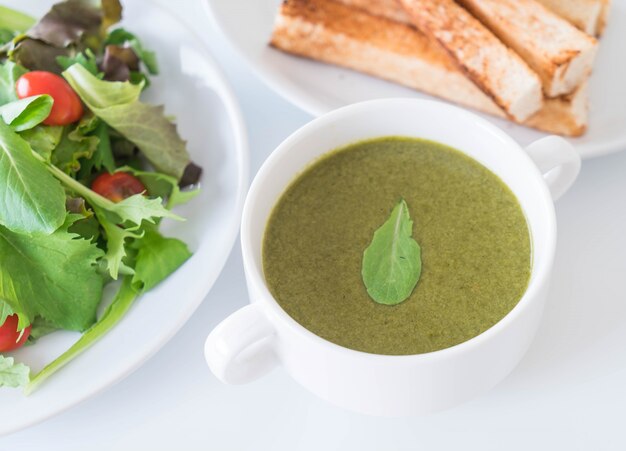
(337,240)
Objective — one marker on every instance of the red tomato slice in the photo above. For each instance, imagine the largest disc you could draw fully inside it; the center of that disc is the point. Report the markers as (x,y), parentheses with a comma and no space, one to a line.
(9,335)
(67,107)
(117,186)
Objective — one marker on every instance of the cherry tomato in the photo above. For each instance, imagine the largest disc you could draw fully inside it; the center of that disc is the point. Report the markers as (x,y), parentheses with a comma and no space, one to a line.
(9,335)
(67,107)
(117,186)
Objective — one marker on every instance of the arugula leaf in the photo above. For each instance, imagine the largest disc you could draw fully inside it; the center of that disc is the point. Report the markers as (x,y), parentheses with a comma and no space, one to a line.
(117,104)
(13,374)
(9,73)
(54,276)
(121,37)
(11,19)
(32,200)
(157,258)
(392,262)
(87,59)
(26,113)
(112,315)
(43,139)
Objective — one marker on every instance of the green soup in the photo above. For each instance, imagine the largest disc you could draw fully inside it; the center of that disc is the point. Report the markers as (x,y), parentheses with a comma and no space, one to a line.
(475,242)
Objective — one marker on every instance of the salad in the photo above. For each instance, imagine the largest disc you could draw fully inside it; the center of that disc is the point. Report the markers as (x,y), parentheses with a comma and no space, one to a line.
(87,172)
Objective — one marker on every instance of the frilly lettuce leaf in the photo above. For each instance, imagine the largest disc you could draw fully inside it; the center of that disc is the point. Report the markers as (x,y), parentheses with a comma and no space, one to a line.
(117,104)
(13,374)
(54,276)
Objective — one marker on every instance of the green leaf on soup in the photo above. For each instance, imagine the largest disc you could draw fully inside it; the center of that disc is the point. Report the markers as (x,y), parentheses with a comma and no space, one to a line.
(392,262)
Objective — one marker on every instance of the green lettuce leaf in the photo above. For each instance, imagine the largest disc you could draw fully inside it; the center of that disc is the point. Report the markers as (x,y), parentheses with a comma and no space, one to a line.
(39,328)
(5,312)
(26,113)
(117,104)
(77,143)
(54,276)
(112,315)
(9,73)
(157,258)
(32,200)
(116,237)
(11,19)
(43,139)
(13,374)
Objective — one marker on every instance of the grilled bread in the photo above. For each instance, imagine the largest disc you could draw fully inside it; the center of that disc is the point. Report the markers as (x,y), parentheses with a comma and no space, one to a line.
(327,31)
(588,15)
(490,64)
(560,53)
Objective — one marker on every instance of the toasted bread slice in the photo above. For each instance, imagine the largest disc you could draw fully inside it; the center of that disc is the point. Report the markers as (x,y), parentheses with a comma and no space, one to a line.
(390,9)
(559,52)
(490,64)
(588,15)
(334,33)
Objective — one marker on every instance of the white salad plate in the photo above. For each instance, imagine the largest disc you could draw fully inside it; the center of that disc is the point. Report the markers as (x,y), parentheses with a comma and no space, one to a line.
(193,90)
(319,88)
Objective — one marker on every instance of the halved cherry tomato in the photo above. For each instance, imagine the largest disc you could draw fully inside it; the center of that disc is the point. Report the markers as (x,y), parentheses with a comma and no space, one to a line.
(9,335)
(117,186)
(67,107)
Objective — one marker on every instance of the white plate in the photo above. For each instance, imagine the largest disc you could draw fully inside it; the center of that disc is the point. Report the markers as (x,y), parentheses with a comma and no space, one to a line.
(195,91)
(318,88)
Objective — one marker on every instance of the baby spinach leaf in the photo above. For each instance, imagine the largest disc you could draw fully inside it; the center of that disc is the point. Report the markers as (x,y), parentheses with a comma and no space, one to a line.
(27,113)
(32,200)
(111,316)
(117,104)
(392,262)
(13,374)
(9,73)
(158,257)
(54,276)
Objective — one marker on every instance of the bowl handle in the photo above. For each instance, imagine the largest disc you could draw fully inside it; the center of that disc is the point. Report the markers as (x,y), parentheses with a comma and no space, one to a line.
(240,349)
(558,161)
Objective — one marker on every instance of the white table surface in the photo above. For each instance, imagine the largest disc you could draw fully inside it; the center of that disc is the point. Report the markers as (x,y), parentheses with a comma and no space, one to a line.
(569,392)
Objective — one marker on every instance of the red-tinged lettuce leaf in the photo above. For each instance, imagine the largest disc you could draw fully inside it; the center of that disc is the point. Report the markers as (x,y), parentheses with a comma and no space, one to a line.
(68,29)
(52,276)
(67,23)
(117,104)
